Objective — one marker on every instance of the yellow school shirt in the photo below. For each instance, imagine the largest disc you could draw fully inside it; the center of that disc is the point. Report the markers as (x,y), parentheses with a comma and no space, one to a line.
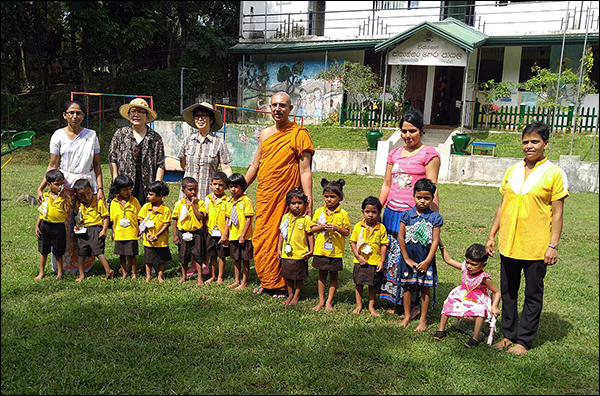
(526,214)
(340,218)
(93,214)
(374,237)
(161,217)
(56,208)
(191,222)
(297,232)
(244,208)
(129,212)
(217,212)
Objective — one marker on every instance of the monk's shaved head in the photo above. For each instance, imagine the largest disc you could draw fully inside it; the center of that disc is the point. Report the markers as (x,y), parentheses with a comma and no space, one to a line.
(282,96)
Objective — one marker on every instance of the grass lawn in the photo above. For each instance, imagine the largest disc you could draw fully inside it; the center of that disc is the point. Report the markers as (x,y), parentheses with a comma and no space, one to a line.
(128,337)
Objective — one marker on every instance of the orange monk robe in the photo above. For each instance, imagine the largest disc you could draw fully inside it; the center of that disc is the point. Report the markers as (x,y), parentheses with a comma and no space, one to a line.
(278,173)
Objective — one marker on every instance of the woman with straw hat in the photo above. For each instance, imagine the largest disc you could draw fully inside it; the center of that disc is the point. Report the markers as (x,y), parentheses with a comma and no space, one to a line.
(202,152)
(136,150)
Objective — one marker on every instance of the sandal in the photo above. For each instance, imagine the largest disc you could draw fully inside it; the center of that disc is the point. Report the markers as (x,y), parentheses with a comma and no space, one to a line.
(439,335)
(258,290)
(471,342)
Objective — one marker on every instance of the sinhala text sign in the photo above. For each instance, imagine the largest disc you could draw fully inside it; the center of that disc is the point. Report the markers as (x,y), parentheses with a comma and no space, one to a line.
(427,49)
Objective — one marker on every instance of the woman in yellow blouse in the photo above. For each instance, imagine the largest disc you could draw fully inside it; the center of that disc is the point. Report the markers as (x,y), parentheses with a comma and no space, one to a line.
(529,220)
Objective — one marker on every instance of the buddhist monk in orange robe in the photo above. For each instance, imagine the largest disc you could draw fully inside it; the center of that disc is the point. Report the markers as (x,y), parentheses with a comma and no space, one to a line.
(282,162)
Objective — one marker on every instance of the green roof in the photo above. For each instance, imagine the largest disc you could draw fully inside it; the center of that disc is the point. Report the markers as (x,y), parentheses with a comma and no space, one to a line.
(302,46)
(501,41)
(451,29)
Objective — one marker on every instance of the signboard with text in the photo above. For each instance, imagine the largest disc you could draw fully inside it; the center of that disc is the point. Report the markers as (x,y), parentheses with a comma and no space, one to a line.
(427,49)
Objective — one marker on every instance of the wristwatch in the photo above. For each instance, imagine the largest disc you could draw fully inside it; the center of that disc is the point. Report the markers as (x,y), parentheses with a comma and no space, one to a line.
(553,246)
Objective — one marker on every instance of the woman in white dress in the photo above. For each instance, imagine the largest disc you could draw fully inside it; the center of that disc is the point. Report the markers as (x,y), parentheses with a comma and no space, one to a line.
(75,151)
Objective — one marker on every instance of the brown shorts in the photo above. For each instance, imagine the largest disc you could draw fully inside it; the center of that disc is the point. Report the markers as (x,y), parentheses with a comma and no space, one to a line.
(241,251)
(156,255)
(294,269)
(127,248)
(324,263)
(195,248)
(366,275)
(90,243)
(53,238)
(216,249)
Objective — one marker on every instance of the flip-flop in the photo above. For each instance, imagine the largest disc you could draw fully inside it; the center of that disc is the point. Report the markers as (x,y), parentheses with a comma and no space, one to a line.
(258,290)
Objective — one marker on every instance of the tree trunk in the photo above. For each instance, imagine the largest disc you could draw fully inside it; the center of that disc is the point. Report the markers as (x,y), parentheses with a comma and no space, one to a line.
(22,64)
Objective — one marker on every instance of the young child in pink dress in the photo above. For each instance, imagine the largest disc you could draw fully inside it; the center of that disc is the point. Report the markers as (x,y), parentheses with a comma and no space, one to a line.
(471,299)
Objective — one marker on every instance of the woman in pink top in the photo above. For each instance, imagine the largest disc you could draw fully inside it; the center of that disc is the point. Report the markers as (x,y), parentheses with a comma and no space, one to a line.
(405,165)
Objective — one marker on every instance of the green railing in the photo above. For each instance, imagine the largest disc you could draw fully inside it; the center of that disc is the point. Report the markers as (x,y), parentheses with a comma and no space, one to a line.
(515,118)
(369,118)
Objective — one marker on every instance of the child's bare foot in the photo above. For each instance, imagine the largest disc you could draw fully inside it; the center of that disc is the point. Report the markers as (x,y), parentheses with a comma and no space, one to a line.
(293,302)
(234,284)
(133,276)
(160,279)
(40,276)
(201,282)
(148,279)
(287,301)
(319,306)
(210,280)
(422,325)
(404,322)
(59,276)
(219,281)
(124,273)
(357,310)
(109,275)
(181,280)
(374,312)
(328,307)
(80,278)
(241,287)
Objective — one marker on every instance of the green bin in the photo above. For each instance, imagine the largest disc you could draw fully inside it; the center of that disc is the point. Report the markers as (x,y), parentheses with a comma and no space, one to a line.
(373,137)
(461,141)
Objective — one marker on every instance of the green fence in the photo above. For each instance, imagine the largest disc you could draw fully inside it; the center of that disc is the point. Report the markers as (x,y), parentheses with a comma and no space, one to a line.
(369,118)
(514,118)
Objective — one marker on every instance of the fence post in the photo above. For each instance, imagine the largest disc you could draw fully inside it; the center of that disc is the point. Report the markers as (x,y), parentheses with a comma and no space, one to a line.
(476,115)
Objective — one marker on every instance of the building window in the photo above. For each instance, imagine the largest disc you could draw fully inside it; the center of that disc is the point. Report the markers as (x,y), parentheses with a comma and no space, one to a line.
(491,64)
(595,76)
(391,5)
(533,56)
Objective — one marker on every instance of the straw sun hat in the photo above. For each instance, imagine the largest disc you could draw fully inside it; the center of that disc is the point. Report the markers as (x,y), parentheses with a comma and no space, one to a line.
(142,104)
(188,115)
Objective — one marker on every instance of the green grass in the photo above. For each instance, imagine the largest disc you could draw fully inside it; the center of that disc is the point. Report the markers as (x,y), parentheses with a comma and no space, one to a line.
(127,337)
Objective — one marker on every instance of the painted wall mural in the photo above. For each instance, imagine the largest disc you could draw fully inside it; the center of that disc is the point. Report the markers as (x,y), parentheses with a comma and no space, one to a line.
(313,98)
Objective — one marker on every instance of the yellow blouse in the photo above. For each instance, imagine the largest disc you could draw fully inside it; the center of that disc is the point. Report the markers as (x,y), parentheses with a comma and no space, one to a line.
(327,243)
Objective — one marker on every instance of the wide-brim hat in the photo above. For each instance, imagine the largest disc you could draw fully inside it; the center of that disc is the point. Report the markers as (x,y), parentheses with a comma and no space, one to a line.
(188,115)
(141,103)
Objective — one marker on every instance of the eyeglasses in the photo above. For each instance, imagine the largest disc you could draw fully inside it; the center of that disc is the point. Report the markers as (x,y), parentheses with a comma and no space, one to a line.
(138,111)
(74,113)
(201,117)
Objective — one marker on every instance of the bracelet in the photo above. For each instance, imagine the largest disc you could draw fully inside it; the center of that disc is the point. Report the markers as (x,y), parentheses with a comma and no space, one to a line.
(553,246)
(442,247)
(100,188)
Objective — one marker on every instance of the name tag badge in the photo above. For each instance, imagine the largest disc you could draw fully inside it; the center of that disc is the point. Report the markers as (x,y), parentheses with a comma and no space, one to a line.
(149,223)
(215,232)
(287,248)
(366,249)
(124,223)
(328,245)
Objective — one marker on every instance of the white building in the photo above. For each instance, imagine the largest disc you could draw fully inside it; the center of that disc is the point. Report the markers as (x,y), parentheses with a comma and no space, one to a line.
(442,47)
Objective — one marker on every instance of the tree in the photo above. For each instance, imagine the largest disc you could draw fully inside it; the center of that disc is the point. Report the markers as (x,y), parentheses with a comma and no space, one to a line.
(493,92)
(291,76)
(358,81)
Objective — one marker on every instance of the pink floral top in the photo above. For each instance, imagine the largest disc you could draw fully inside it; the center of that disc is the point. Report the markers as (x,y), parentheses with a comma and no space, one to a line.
(405,172)
(471,298)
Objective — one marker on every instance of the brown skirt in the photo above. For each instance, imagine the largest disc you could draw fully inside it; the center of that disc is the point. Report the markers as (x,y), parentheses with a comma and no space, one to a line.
(294,269)
(195,248)
(90,243)
(366,275)
(216,249)
(156,255)
(241,251)
(127,248)
(325,263)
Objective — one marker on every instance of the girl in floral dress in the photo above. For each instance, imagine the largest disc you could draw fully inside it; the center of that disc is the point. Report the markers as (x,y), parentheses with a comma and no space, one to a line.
(471,299)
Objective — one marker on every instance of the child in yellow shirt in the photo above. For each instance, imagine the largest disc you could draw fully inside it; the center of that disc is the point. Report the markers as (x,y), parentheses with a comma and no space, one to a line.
(216,204)
(91,228)
(155,219)
(50,226)
(124,209)
(331,229)
(369,242)
(239,229)
(188,216)
(295,245)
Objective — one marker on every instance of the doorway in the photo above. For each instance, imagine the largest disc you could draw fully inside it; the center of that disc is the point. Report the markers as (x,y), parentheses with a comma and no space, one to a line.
(447,93)
(416,79)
